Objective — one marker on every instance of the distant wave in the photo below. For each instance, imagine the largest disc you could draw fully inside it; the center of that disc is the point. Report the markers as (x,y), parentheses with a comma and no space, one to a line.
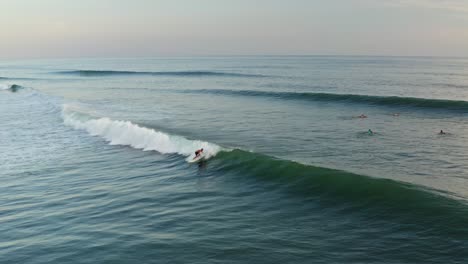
(452,74)
(16,78)
(352,98)
(451,85)
(11,87)
(94,73)
(126,133)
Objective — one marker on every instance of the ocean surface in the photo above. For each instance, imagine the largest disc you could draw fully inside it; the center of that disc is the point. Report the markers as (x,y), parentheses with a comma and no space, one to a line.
(94,160)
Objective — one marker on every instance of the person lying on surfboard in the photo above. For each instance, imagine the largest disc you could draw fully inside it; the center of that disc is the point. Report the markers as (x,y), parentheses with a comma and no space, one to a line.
(198,153)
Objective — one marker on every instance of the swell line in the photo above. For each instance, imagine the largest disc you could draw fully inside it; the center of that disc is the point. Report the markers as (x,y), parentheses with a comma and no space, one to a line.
(454,105)
(97,73)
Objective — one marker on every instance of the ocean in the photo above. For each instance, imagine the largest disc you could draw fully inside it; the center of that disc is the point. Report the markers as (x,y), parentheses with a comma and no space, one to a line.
(94,160)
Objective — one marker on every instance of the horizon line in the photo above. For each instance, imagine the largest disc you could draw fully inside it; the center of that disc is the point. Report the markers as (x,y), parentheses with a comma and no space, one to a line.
(236,55)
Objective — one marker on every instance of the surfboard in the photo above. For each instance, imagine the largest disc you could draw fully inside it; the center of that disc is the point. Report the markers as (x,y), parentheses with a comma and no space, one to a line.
(197,159)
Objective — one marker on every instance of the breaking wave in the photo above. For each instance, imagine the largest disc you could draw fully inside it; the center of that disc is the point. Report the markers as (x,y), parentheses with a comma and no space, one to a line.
(381,195)
(126,133)
(11,87)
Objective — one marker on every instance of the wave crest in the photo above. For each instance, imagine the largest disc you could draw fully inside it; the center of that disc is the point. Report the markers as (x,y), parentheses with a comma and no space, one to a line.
(126,133)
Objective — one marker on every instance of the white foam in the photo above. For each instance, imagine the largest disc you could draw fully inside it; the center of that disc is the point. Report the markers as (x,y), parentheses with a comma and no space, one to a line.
(5,86)
(126,133)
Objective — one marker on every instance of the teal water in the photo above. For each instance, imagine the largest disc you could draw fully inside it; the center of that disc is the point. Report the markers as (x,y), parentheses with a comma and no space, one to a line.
(94,160)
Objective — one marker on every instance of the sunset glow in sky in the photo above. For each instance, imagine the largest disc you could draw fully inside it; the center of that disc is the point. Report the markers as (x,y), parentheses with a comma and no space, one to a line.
(117,28)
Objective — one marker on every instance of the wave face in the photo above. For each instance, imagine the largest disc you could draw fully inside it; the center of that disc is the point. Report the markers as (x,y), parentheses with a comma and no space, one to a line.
(11,87)
(352,98)
(128,134)
(95,73)
(384,196)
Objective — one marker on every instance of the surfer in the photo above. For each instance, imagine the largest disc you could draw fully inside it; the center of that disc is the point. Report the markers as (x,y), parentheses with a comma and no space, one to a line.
(370,132)
(362,116)
(198,153)
(442,132)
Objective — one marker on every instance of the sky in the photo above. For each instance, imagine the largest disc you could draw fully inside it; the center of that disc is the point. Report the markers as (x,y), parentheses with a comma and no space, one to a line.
(139,28)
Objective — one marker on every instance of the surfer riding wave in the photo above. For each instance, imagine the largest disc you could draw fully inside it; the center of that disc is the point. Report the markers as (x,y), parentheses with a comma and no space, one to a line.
(198,153)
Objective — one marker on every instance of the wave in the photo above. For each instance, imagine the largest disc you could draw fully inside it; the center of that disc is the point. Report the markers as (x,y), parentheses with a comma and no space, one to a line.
(95,73)
(17,78)
(343,189)
(11,87)
(451,85)
(126,133)
(352,98)
(445,74)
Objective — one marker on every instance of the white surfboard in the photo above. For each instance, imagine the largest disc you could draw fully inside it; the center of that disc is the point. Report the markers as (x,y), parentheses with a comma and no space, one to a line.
(197,159)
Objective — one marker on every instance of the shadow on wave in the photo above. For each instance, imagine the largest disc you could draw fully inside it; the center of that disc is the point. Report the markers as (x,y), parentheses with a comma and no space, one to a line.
(94,73)
(352,98)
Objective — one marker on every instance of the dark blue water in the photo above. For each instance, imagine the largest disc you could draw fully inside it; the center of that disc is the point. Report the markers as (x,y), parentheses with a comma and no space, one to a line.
(94,160)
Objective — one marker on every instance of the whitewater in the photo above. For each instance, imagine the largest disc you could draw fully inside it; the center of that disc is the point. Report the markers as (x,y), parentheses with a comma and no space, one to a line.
(126,133)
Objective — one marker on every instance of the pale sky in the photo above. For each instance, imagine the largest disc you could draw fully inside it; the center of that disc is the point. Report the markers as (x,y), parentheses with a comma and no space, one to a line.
(127,28)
